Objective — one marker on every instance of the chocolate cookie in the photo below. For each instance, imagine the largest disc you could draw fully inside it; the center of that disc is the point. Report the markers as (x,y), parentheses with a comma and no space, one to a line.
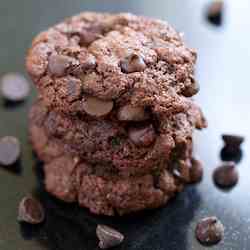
(107,64)
(98,188)
(107,195)
(114,119)
(131,149)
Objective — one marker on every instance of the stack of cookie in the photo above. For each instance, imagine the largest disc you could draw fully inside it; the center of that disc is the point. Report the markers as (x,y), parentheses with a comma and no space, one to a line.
(114,120)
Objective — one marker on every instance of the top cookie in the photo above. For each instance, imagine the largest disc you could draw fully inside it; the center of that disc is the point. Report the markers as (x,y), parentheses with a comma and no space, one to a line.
(97,63)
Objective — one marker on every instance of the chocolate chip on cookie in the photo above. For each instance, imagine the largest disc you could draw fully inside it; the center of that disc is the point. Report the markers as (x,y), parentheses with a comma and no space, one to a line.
(191,90)
(142,136)
(133,63)
(89,35)
(96,107)
(58,64)
(131,113)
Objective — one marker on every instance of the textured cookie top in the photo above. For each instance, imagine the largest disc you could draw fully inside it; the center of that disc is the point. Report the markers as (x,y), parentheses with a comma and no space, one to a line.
(95,63)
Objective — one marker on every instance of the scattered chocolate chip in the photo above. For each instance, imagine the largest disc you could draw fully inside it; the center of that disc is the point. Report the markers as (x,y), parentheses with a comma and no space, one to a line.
(31,211)
(131,113)
(227,155)
(191,90)
(209,231)
(58,64)
(233,141)
(108,237)
(96,107)
(133,63)
(231,150)
(10,150)
(142,136)
(14,87)
(196,171)
(226,176)
(215,12)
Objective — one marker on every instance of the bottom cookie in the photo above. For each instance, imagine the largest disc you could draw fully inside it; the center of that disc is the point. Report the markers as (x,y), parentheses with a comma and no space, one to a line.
(71,180)
(101,191)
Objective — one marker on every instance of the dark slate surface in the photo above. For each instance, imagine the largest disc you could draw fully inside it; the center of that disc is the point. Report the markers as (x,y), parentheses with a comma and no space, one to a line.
(223,72)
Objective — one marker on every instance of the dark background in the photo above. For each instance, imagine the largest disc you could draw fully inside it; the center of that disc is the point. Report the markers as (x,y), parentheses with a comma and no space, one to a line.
(223,72)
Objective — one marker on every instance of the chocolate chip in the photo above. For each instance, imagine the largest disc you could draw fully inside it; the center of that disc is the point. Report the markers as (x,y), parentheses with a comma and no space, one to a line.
(191,90)
(231,150)
(233,141)
(58,64)
(133,63)
(89,35)
(96,107)
(176,173)
(226,176)
(87,61)
(86,38)
(228,155)
(108,237)
(215,12)
(131,113)
(74,90)
(10,150)
(182,170)
(209,231)
(30,211)
(142,136)
(196,171)
(14,87)
(86,64)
